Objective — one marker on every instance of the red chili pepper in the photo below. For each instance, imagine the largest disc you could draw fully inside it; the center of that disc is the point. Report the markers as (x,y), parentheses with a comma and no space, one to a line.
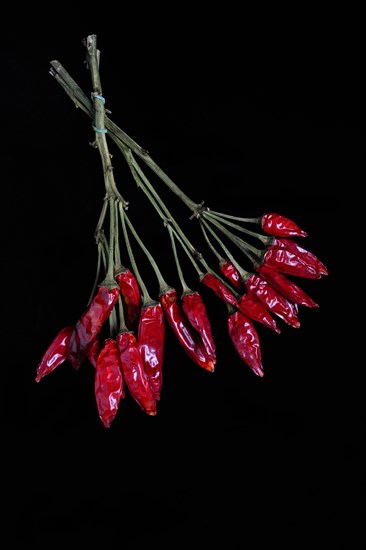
(272,300)
(90,323)
(151,335)
(55,354)
(280,226)
(131,296)
(182,329)
(246,341)
(108,382)
(94,352)
(219,289)
(285,261)
(230,271)
(134,373)
(196,312)
(253,308)
(308,257)
(286,287)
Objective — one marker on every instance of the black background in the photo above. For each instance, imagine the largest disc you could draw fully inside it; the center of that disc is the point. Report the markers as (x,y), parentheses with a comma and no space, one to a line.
(249,126)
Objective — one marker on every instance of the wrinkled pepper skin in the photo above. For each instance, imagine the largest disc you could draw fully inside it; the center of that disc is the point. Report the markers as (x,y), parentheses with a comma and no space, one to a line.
(231,273)
(94,352)
(134,372)
(286,287)
(131,296)
(90,323)
(219,289)
(246,341)
(108,382)
(151,336)
(55,354)
(308,257)
(280,226)
(253,308)
(276,303)
(182,329)
(285,261)
(195,309)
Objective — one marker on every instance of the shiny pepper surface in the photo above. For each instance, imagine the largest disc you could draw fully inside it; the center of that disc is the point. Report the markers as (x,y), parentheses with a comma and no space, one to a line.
(246,341)
(189,340)
(131,296)
(275,224)
(285,261)
(286,287)
(134,372)
(90,323)
(219,289)
(253,308)
(229,270)
(151,335)
(272,300)
(55,354)
(196,312)
(308,257)
(108,382)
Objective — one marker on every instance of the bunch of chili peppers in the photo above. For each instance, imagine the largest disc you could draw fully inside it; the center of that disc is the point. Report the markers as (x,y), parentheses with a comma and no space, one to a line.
(121,332)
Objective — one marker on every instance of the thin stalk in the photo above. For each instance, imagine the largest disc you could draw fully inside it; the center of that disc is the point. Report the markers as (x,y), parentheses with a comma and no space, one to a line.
(190,256)
(237,218)
(242,245)
(185,287)
(101,217)
(211,246)
(263,238)
(121,314)
(92,294)
(118,267)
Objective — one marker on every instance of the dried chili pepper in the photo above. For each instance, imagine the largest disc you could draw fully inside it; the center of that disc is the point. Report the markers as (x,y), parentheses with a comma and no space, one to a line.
(285,261)
(253,308)
(246,341)
(308,257)
(276,303)
(219,289)
(94,352)
(108,382)
(182,329)
(229,270)
(151,335)
(55,354)
(134,373)
(280,226)
(286,287)
(131,296)
(195,309)
(90,323)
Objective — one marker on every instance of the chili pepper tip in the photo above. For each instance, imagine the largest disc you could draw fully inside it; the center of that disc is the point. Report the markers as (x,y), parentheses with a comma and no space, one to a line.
(151,413)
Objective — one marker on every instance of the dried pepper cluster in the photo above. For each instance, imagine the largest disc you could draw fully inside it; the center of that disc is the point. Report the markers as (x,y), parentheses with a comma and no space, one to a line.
(122,330)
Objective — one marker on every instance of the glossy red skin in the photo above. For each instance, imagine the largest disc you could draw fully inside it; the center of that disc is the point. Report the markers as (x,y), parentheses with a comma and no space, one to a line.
(287,288)
(253,308)
(131,295)
(308,257)
(280,226)
(94,352)
(134,373)
(182,329)
(55,354)
(285,261)
(151,336)
(108,382)
(272,300)
(195,309)
(231,273)
(89,325)
(219,289)
(246,341)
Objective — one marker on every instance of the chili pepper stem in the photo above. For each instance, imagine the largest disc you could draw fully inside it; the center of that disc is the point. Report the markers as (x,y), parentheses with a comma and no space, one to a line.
(185,287)
(263,238)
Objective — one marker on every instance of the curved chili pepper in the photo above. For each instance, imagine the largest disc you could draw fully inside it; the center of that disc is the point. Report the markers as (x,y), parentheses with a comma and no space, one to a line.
(182,329)
(272,300)
(219,289)
(229,270)
(308,257)
(90,323)
(134,373)
(280,226)
(285,261)
(151,335)
(131,296)
(253,308)
(94,352)
(196,312)
(286,287)
(108,382)
(55,354)
(246,341)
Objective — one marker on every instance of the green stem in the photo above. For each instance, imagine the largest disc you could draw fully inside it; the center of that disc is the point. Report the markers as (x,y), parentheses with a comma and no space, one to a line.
(211,246)
(92,294)
(121,314)
(187,251)
(185,287)
(263,238)
(237,218)
(240,243)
